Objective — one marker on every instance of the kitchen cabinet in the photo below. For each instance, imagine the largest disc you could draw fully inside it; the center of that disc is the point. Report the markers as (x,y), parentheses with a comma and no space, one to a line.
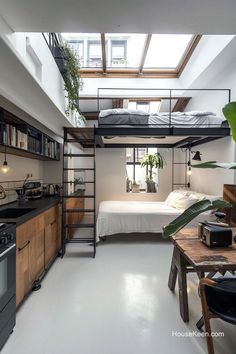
(22,271)
(52,236)
(38,242)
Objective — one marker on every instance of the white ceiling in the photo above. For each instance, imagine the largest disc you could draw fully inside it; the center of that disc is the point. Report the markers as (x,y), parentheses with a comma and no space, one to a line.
(134,16)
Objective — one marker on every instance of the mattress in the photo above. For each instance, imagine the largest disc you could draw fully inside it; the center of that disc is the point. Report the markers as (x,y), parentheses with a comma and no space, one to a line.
(116,217)
(194,119)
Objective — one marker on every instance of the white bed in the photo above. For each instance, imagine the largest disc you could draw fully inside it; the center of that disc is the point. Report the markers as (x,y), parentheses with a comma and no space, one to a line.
(117,217)
(193,119)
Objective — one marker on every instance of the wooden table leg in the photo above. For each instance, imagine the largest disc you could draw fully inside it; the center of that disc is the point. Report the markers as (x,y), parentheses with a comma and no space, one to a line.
(173,272)
(183,293)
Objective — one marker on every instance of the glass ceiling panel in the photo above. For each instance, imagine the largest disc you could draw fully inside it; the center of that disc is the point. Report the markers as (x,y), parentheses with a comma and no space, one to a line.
(124,50)
(87,46)
(166,50)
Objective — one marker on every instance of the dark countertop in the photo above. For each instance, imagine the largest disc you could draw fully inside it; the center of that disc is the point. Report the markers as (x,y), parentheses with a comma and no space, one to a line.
(39,206)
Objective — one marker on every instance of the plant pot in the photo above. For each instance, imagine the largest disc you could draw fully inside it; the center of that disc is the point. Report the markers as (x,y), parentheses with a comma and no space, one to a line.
(58,52)
(62,65)
(135,188)
(151,187)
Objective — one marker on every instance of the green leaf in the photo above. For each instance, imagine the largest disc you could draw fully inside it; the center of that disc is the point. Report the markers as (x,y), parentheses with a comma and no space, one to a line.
(230,114)
(191,213)
(214,164)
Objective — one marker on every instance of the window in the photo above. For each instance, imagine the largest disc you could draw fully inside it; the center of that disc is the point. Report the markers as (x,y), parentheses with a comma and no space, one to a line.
(134,170)
(124,50)
(166,50)
(94,58)
(118,53)
(78,48)
(146,106)
(132,54)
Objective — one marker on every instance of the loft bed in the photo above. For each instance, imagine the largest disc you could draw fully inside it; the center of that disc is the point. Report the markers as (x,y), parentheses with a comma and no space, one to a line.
(139,216)
(167,129)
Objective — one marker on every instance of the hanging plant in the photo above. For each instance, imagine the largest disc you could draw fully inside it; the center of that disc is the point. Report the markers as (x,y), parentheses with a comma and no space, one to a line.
(73,80)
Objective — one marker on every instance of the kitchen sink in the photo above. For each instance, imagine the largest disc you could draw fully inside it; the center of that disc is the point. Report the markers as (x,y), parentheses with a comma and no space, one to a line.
(13,213)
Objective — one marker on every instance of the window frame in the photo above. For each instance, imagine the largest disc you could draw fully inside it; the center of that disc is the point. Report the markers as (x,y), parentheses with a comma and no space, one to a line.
(89,43)
(140,72)
(135,163)
(80,41)
(114,43)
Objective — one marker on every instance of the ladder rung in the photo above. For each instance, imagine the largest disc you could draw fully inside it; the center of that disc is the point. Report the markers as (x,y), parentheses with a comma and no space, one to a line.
(71,182)
(79,155)
(79,210)
(79,169)
(83,226)
(78,196)
(78,240)
(179,184)
(79,140)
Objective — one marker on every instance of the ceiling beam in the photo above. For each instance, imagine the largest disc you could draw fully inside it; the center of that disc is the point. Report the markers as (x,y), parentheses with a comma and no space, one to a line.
(181,104)
(104,60)
(188,53)
(144,53)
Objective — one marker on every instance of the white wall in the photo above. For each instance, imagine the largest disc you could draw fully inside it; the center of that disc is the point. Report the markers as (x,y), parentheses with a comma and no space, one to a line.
(111,177)
(19,168)
(210,181)
(30,77)
(220,74)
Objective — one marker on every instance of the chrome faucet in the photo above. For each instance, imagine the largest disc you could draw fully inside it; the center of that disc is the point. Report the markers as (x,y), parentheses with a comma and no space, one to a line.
(2,193)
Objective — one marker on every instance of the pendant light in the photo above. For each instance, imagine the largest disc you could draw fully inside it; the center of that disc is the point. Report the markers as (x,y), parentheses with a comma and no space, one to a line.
(197,156)
(5,168)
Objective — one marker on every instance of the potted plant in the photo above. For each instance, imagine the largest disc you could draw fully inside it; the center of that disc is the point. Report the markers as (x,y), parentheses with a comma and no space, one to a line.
(69,65)
(152,161)
(128,184)
(135,187)
(79,183)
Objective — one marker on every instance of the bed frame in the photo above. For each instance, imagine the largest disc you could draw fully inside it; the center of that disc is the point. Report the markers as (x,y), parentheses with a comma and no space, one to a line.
(191,136)
(92,137)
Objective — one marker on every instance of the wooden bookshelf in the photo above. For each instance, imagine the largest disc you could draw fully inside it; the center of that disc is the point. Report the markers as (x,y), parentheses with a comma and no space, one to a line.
(22,139)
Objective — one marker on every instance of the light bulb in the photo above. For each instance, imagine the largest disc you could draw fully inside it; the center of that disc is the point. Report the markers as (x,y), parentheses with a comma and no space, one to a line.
(5,168)
(189,172)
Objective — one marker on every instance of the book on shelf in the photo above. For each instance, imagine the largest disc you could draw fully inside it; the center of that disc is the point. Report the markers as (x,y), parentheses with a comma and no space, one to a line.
(14,137)
(49,148)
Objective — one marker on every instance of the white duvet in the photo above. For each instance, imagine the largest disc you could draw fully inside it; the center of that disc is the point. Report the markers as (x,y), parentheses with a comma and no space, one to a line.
(133,216)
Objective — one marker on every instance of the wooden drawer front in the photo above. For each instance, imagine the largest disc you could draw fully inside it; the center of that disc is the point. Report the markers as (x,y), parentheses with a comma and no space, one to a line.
(22,272)
(29,229)
(50,215)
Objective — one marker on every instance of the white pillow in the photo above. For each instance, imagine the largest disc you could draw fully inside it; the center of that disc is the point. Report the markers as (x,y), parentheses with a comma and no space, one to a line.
(175,195)
(199,196)
(202,196)
(183,202)
(213,197)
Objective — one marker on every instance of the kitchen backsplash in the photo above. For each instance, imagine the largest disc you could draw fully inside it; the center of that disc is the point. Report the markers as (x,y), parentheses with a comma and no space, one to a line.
(10,187)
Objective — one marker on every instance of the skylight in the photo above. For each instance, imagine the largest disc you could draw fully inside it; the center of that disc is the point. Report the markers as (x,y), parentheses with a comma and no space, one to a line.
(124,50)
(132,55)
(166,50)
(88,48)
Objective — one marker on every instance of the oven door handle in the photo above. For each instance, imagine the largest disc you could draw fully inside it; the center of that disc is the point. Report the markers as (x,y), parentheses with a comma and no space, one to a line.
(9,250)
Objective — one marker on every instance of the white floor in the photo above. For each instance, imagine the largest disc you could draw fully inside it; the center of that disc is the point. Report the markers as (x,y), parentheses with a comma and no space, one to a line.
(118,303)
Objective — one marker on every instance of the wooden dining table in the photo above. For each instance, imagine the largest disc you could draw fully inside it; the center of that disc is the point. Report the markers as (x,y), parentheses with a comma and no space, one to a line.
(191,255)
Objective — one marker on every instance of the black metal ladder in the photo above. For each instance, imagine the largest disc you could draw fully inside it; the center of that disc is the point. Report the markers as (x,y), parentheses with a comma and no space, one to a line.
(85,139)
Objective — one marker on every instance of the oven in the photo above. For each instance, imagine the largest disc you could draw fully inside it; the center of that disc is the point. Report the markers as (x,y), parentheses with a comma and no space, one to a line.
(7,280)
